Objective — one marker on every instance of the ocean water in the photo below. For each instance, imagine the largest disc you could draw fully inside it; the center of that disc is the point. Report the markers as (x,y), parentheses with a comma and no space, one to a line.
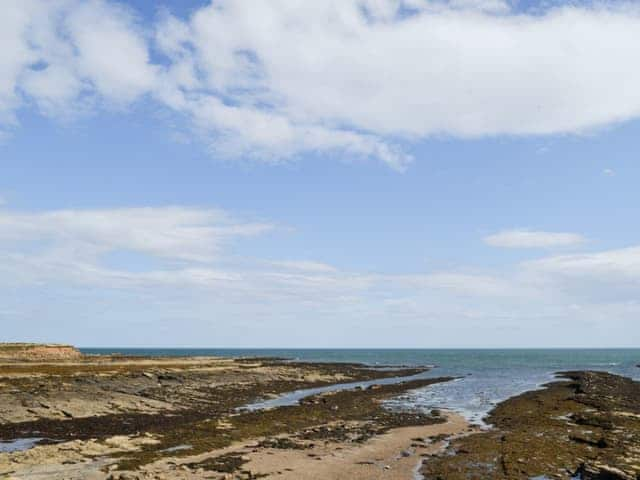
(485,377)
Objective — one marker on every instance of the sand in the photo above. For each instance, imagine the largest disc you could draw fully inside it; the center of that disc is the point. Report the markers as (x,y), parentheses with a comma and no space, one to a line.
(391,456)
(395,455)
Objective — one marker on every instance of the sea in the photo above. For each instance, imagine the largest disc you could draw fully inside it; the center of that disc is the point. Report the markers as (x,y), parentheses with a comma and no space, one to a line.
(484,377)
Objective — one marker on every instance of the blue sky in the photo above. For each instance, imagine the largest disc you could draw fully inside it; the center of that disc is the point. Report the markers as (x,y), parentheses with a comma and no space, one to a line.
(332,175)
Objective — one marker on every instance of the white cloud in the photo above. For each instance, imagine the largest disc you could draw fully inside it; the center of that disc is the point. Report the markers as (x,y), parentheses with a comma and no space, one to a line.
(65,54)
(173,233)
(189,247)
(533,239)
(305,266)
(470,284)
(251,132)
(622,264)
(597,278)
(15,55)
(451,70)
(362,77)
(111,52)
(609,172)
(52,86)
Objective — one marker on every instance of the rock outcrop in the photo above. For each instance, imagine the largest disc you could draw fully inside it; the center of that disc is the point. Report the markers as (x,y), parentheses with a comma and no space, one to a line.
(37,352)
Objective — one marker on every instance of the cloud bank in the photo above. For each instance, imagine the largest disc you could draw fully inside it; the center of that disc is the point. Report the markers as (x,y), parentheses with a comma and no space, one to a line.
(149,270)
(360,78)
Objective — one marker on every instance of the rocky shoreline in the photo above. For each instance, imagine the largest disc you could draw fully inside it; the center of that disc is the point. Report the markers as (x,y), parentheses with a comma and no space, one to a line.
(118,417)
(585,427)
(130,412)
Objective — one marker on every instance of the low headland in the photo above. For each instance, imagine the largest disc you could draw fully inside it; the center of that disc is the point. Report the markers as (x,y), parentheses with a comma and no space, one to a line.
(37,352)
(110,417)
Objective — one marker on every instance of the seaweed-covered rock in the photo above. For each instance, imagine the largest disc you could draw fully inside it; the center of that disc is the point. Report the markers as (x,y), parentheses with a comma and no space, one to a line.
(586,426)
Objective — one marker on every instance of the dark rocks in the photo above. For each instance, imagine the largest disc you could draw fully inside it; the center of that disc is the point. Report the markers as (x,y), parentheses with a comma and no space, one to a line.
(228,463)
(599,442)
(284,443)
(603,472)
(593,419)
(123,476)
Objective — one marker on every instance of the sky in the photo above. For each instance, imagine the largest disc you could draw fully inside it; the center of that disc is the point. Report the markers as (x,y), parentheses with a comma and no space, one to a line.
(352,173)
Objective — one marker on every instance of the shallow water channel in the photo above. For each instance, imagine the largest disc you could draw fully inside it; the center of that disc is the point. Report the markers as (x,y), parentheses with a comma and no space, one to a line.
(18,445)
(292,398)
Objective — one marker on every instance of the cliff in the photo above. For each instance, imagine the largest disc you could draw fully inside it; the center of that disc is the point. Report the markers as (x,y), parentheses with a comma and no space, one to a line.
(36,351)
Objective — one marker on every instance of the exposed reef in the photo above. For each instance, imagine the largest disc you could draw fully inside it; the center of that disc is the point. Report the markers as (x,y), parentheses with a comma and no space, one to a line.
(586,427)
(98,417)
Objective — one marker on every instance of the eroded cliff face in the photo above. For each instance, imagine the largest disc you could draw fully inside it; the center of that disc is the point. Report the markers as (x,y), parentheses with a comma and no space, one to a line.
(37,352)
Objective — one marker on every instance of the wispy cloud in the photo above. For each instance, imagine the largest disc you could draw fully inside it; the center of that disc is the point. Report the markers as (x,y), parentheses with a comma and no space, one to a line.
(190,250)
(595,278)
(304,266)
(533,239)
(623,264)
(173,233)
(192,274)
(279,79)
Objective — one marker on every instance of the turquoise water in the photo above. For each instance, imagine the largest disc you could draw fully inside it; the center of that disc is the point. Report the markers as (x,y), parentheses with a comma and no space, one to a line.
(486,376)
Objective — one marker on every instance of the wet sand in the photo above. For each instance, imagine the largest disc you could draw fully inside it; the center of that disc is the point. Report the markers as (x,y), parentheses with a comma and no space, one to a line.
(395,455)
